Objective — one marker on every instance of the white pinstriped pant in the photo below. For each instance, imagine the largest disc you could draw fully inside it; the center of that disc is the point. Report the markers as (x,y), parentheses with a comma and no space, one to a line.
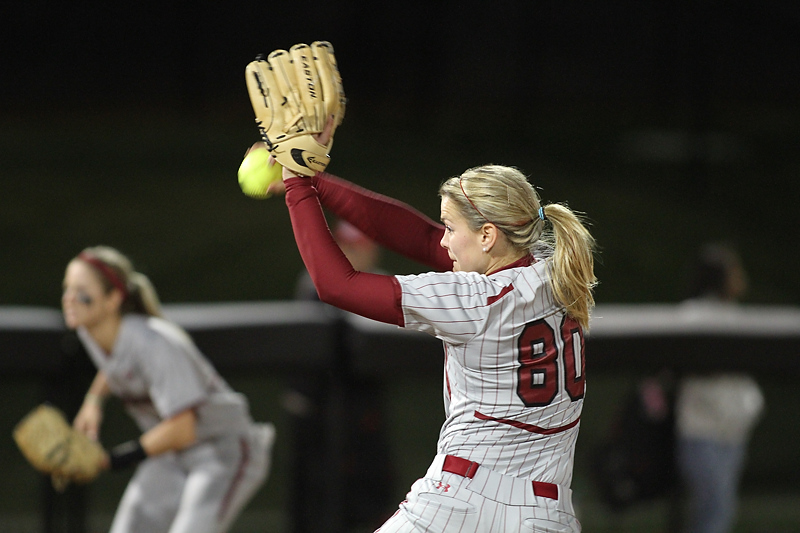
(489,502)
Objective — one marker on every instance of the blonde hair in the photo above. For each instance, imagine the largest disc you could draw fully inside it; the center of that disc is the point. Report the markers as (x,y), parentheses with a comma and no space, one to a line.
(140,294)
(504,197)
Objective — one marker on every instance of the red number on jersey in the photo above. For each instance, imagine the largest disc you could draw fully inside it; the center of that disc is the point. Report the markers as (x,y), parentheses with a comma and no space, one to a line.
(574,361)
(537,383)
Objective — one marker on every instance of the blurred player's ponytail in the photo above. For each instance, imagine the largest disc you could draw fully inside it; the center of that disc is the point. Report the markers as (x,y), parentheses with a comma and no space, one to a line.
(503,196)
(117,272)
(144,298)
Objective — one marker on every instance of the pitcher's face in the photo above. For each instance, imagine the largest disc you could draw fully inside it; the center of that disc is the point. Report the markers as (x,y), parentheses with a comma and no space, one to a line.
(462,244)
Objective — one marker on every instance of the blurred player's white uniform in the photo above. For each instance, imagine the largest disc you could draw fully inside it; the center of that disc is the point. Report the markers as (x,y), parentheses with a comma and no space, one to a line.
(158,372)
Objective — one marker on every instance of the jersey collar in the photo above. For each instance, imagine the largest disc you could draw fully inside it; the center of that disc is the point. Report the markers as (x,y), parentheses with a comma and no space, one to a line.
(528,260)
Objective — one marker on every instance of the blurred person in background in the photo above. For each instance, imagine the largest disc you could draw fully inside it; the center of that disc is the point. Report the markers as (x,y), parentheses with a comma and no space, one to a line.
(365,440)
(715,411)
(200,457)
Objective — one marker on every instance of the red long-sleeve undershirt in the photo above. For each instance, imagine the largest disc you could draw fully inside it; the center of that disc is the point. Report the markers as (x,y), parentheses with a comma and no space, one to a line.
(390,223)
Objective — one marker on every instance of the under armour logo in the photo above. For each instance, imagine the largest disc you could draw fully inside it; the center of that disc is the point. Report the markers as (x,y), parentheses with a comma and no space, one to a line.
(441,486)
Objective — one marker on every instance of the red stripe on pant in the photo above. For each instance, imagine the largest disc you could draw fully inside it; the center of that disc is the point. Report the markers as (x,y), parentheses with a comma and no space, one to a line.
(467,469)
(237,479)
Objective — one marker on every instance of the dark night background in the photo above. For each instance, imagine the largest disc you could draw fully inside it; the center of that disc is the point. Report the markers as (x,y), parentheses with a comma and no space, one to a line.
(668,123)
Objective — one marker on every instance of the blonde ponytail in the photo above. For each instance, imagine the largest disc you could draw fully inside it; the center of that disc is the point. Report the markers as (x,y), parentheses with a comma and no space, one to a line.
(504,197)
(572,271)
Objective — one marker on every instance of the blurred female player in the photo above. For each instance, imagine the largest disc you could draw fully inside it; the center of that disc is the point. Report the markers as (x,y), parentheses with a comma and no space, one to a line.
(200,457)
(510,301)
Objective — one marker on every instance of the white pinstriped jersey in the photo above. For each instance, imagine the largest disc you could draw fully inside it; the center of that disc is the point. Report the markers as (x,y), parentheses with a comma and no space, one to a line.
(514,369)
(157,371)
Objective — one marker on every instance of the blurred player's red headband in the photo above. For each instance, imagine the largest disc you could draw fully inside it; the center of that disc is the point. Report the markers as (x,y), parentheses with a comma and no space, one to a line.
(106,270)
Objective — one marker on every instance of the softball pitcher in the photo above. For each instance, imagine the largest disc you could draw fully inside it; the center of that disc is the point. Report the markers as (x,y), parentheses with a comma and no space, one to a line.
(200,457)
(510,297)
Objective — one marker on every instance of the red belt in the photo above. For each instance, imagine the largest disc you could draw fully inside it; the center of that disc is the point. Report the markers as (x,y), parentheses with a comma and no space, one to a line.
(462,467)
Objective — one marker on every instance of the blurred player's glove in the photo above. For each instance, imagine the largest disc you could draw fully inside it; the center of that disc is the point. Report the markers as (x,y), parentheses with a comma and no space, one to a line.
(54,447)
(294,94)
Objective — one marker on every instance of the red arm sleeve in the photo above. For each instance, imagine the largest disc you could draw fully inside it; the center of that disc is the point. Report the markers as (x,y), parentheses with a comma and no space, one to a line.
(395,225)
(373,296)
